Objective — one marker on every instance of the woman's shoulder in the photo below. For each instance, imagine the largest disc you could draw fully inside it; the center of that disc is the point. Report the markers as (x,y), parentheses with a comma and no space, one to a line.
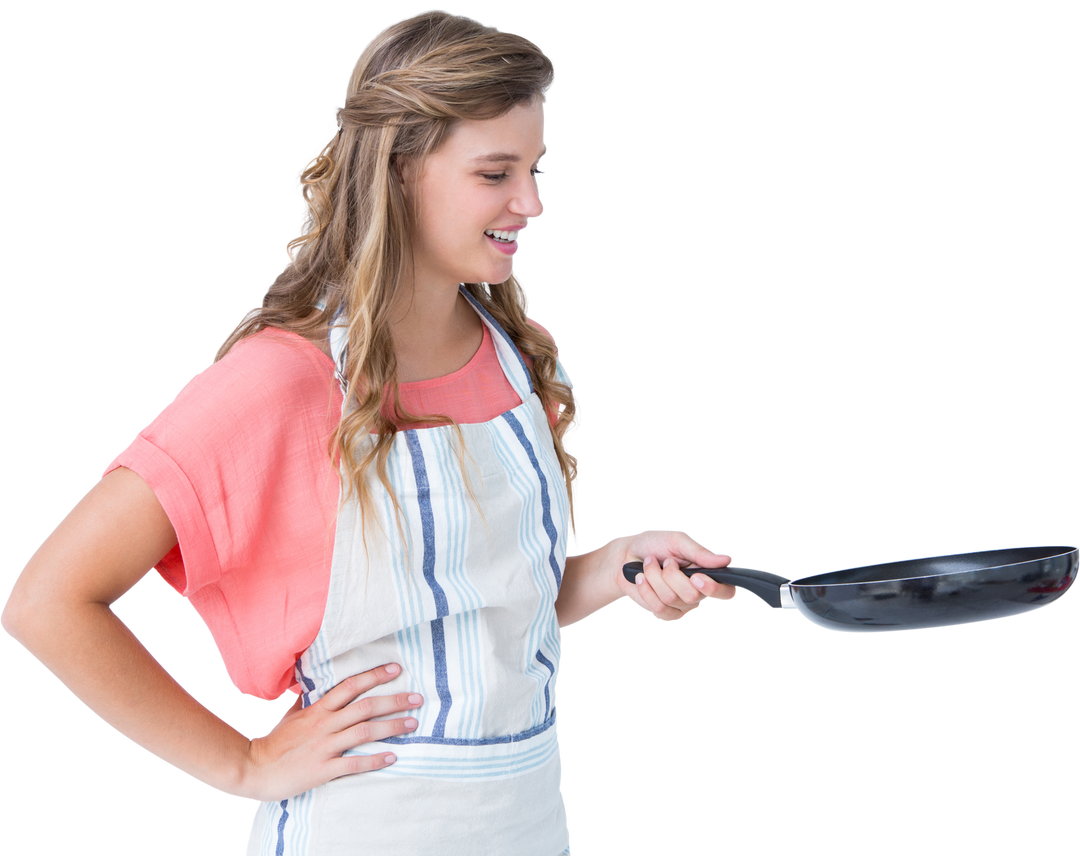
(280,349)
(560,372)
(541,328)
(271,362)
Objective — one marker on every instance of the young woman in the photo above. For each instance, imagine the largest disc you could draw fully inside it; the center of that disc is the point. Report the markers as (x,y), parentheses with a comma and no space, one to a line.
(367,496)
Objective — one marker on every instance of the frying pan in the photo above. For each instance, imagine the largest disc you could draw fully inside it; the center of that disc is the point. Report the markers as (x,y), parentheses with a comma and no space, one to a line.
(917,593)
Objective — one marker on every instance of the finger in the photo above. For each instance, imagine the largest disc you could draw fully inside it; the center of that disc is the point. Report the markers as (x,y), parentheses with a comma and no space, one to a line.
(374,708)
(378,706)
(357,685)
(706,558)
(648,598)
(681,584)
(371,731)
(660,581)
(673,586)
(689,550)
(711,588)
(351,764)
(358,722)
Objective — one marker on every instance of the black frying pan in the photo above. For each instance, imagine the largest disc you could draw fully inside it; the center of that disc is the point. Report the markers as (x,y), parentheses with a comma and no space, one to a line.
(919,593)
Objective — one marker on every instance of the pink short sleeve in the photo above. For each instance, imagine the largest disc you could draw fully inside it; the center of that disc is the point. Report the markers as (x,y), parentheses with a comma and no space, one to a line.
(240,463)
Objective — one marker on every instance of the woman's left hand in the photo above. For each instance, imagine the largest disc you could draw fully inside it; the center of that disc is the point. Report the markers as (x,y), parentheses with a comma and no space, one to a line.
(662,587)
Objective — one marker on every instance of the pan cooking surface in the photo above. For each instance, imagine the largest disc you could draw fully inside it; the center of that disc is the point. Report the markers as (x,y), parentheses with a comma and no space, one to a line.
(938,591)
(915,568)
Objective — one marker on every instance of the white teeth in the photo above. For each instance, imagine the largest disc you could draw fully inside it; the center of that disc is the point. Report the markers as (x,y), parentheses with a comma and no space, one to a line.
(505,237)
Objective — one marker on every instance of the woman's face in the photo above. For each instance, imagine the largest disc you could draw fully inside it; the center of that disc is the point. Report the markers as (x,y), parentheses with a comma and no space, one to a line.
(475,193)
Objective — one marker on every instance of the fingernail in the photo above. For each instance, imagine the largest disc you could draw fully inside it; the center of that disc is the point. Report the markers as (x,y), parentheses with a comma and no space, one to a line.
(393,669)
(411,723)
(416,699)
(639,579)
(389,759)
(698,580)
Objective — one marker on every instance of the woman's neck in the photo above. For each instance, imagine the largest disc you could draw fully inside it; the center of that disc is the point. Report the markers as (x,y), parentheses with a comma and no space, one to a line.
(436,332)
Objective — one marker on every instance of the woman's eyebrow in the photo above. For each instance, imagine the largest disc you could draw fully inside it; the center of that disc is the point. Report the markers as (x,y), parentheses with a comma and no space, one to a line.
(502,157)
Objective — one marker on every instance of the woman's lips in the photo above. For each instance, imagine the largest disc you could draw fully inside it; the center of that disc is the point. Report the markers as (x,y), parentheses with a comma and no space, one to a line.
(508,248)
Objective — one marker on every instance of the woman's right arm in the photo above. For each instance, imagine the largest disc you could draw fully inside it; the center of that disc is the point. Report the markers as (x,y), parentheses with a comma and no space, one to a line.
(60,609)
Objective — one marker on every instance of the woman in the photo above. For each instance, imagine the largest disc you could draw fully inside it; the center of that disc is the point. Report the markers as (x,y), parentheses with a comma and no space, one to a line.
(367,496)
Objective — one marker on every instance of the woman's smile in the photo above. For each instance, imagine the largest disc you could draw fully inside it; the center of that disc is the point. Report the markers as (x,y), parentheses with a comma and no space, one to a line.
(510,247)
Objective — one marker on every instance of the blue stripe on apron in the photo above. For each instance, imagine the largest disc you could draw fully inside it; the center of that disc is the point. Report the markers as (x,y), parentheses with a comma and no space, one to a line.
(442,608)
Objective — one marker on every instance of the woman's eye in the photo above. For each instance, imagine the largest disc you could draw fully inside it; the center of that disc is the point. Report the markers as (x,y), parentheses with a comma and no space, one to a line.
(538,173)
(494,176)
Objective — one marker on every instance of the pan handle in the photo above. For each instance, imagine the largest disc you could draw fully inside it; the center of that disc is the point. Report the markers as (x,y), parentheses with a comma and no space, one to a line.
(766,586)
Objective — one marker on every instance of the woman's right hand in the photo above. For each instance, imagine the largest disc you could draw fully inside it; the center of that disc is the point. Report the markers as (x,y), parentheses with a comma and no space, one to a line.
(306,748)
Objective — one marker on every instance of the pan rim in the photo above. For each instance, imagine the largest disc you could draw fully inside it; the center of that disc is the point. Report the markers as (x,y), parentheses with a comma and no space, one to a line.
(1070,547)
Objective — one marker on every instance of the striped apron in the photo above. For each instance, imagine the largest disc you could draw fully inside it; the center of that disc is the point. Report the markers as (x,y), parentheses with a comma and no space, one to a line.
(458,588)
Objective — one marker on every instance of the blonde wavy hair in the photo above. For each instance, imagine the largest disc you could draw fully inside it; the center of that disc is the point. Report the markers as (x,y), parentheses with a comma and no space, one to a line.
(407,91)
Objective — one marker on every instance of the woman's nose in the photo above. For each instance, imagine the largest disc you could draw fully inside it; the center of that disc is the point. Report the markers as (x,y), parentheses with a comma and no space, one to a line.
(527,200)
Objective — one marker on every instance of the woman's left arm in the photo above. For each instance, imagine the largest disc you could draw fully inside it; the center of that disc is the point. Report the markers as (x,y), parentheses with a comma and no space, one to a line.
(593,580)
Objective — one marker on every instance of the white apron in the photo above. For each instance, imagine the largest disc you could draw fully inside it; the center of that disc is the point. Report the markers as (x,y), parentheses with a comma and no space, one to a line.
(465,603)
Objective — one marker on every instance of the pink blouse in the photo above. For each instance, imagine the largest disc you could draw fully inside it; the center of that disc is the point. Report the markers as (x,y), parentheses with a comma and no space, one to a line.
(240,463)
